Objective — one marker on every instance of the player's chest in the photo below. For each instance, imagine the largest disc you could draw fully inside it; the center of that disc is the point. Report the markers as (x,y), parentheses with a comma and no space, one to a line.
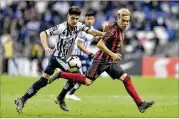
(119,38)
(69,35)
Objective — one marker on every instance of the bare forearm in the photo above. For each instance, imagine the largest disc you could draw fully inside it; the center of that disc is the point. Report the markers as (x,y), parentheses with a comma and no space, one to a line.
(81,47)
(96,32)
(43,38)
(101,45)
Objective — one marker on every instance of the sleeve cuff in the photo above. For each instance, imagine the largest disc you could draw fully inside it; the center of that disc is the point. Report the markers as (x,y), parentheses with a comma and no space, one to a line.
(87,30)
(46,32)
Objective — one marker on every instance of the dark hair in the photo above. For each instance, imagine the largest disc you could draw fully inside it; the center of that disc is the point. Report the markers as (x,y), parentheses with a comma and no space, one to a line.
(90,14)
(74,10)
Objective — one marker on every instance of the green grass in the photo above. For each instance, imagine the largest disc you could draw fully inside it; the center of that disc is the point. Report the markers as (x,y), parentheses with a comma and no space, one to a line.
(104,98)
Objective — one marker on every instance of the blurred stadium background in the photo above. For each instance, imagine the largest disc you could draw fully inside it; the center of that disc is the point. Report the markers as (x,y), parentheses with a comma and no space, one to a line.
(151,51)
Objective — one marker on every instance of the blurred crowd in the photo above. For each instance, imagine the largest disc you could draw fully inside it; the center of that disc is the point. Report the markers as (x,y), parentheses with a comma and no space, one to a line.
(154,24)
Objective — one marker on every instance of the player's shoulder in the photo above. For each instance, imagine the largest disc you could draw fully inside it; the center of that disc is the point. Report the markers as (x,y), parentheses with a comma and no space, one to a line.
(62,26)
(108,26)
(80,24)
(84,34)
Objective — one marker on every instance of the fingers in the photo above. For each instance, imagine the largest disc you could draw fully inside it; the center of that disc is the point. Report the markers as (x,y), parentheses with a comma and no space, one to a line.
(49,51)
(118,58)
(119,55)
(106,26)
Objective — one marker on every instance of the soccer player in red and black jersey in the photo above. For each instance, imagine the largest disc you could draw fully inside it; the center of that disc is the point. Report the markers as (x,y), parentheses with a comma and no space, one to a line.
(107,59)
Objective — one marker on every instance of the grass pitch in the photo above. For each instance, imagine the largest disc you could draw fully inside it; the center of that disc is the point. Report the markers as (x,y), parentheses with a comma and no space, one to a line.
(104,98)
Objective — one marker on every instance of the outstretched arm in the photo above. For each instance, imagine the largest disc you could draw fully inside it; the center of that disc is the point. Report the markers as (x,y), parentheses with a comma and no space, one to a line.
(81,47)
(95,32)
(43,38)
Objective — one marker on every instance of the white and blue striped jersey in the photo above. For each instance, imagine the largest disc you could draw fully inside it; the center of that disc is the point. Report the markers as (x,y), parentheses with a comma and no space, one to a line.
(86,41)
(66,38)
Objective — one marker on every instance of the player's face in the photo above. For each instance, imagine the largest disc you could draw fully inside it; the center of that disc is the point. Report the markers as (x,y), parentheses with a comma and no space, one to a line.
(124,22)
(73,20)
(89,20)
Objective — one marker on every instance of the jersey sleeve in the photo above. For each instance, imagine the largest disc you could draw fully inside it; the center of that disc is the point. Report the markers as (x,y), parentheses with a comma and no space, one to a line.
(83,27)
(81,36)
(56,30)
(109,35)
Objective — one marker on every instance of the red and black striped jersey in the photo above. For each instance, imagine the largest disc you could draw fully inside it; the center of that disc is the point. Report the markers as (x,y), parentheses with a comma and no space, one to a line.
(113,40)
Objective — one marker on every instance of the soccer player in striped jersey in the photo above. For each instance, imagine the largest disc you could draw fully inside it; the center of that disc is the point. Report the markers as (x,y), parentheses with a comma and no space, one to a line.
(107,59)
(82,43)
(67,33)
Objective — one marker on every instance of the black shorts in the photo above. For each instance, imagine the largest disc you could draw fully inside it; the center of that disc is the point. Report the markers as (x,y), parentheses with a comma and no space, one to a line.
(55,62)
(114,70)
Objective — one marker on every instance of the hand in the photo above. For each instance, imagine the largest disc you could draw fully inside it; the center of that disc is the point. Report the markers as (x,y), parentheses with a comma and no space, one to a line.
(91,55)
(116,56)
(48,50)
(104,33)
(97,38)
(106,26)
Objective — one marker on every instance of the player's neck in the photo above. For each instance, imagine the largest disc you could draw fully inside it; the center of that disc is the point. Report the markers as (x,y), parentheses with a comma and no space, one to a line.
(70,28)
